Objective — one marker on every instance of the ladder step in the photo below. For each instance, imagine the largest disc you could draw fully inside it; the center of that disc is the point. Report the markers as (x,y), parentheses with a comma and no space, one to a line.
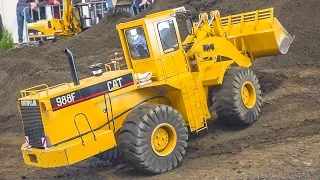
(201,129)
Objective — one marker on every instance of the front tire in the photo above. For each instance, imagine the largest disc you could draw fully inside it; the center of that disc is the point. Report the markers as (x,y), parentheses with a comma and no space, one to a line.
(238,100)
(153,138)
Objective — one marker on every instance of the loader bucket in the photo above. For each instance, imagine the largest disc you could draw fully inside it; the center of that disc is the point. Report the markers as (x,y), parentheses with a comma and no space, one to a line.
(257,32)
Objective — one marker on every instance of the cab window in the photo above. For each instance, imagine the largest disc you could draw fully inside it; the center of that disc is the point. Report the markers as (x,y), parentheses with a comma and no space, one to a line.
(137,43)
(168,36)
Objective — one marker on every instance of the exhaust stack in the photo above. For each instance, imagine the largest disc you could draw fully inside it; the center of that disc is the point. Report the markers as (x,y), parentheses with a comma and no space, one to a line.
(73,68)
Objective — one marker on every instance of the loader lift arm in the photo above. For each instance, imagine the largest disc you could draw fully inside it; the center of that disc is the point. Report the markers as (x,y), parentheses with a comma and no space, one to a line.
(255,34)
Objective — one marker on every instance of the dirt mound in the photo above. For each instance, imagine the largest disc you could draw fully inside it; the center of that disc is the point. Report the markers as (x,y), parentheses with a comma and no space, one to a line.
(290,86)
(22,68)
(270,81)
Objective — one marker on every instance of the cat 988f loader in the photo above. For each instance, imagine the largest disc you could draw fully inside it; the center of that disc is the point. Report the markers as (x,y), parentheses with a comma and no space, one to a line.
(171,88)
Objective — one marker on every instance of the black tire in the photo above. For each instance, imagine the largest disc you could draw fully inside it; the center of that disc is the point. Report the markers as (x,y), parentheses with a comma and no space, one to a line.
(109,155)
(136,134)
(227,101)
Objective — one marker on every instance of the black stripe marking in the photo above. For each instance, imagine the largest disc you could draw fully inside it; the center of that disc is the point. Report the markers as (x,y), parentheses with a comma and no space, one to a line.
(90,92)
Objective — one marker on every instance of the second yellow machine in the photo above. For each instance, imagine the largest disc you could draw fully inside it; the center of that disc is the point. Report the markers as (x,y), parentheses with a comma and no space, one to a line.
(68,25)
(171,88)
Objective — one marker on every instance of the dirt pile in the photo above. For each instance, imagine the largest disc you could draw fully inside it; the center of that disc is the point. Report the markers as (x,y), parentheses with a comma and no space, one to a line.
(290,84)
(22,68)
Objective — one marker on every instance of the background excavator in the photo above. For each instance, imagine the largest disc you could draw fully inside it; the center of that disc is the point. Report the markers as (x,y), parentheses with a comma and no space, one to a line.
(72,21)
(68,25)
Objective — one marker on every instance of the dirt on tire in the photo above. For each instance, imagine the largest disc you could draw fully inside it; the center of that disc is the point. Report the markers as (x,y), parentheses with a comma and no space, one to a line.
(283,143)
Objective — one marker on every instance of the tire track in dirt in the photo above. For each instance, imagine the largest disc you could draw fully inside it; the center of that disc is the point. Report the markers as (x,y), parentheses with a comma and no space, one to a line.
(269,136)
(290,110)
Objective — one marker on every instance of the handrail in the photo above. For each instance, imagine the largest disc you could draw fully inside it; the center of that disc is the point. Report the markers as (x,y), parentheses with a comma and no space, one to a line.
(36,91)
(107,111)
(247,17)
(75,122)
(28,89)
(58,85)
(33,90)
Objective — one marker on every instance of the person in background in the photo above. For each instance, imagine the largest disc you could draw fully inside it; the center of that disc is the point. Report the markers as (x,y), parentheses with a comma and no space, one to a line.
(23,10)
(40,12)
(56,8)
(139,5)
(146,2)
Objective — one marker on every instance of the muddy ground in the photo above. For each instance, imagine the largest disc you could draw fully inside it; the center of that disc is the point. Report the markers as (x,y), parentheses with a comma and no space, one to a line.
(282,144)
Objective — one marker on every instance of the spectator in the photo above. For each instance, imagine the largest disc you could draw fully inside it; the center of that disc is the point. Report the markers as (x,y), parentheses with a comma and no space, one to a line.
(99,9)
(141,4)
(145,2)
(23,13)
(39,13)
(56,8)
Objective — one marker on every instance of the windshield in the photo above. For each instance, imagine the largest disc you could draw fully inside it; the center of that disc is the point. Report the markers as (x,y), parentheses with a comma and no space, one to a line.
(137,43)
(168,36)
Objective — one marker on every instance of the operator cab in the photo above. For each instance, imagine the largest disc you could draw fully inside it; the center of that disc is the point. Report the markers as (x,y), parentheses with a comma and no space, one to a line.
(154,45)
(137,43)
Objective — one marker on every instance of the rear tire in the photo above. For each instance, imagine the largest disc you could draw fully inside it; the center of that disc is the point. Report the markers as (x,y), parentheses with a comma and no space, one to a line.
(238,100)
(109,155)
(153,138)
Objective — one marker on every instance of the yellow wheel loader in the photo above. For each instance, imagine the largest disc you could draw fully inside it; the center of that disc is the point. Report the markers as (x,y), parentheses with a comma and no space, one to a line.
(171,88)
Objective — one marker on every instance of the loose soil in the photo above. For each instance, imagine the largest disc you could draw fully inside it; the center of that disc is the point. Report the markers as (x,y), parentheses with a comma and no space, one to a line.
(283,143)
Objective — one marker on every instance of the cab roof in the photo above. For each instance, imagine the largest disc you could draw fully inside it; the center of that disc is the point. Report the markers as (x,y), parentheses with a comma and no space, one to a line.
(150,17)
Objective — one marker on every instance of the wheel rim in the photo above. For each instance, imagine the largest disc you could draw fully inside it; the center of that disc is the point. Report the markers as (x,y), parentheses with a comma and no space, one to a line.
(163,139)
(248,94)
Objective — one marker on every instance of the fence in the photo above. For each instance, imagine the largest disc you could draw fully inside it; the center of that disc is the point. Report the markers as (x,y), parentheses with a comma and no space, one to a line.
(90,13)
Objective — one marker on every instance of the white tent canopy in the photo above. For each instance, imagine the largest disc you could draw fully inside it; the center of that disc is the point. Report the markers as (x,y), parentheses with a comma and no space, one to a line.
(9,18)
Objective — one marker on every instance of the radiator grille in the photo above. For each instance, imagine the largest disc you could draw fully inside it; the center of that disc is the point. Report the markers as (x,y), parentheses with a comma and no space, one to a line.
(32,124)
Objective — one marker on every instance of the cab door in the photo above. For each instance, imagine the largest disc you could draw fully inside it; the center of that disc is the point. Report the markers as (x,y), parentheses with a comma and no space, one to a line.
(172,56)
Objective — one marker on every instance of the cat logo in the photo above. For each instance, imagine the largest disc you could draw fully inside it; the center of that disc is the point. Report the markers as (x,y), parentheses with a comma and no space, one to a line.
(116,87)
(114,84)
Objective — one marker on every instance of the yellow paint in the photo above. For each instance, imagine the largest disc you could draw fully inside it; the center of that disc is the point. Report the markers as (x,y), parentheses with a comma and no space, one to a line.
(214,73)
(164,139)
(248,94)
(181,75)
(261,32)
(70,152)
